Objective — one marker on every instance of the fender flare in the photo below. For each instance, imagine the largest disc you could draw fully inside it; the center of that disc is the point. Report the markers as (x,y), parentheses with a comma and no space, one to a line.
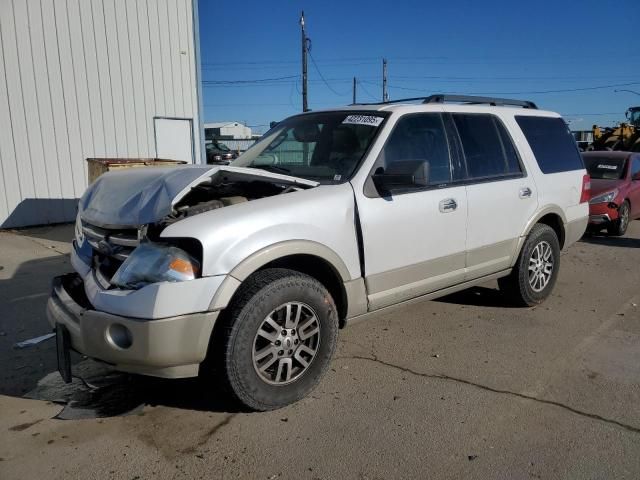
(554,209)
(266,255)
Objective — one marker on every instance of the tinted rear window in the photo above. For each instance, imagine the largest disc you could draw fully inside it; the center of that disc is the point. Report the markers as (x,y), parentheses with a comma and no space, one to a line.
(552,143)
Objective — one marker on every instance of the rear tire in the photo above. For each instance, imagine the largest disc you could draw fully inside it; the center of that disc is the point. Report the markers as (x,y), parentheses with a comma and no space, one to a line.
(277,339)
(536,270)
(618,227)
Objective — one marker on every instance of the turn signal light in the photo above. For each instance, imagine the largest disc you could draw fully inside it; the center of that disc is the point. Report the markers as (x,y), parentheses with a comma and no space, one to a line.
(183,266)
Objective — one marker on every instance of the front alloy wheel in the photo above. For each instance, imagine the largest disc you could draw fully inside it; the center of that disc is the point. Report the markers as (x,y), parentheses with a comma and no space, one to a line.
(276,339)
(286,343)
(619,227)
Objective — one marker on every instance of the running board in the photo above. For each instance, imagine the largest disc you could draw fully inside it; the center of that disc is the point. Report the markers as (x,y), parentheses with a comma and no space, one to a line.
(430,296)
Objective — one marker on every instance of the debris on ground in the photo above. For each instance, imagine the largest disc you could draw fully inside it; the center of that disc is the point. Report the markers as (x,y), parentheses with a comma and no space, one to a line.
(34,341)
(96,392)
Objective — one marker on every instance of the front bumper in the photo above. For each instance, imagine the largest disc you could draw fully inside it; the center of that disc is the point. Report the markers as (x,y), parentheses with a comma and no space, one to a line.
(170,347)
(602,213)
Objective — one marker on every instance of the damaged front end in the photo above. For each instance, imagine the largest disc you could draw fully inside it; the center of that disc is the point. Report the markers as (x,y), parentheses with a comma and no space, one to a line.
(138,299)
(124,210)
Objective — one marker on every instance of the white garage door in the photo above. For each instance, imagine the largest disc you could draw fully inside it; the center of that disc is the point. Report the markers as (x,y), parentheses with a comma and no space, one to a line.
(174,139)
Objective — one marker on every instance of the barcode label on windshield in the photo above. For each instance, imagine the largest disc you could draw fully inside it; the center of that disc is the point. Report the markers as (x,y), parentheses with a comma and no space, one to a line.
(607,167)
(363,120)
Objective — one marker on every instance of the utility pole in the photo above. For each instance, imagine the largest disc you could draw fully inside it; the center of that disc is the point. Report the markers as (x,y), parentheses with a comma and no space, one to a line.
(305,105)
(354,90)
(385,95)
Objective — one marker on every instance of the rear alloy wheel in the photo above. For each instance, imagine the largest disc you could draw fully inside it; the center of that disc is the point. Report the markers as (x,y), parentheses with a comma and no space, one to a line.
(541,265)
(619,226)
(534,274)
(277,339)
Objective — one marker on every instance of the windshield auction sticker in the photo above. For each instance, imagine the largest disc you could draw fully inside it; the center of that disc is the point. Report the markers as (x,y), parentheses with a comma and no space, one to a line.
(363,120)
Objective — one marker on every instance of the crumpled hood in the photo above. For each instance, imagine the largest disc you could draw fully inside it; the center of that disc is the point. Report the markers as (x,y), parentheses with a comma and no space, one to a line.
(139,196)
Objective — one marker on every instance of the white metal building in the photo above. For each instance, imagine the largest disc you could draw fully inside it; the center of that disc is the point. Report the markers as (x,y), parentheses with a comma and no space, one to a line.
(227,130)
(91,78)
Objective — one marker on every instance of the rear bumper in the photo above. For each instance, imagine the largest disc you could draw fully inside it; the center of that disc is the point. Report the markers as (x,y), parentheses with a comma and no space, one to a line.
(170,347)
(574,230)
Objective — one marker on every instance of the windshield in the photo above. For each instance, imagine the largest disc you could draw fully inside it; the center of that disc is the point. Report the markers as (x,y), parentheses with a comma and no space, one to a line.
(634,117)
(605,168)
(326,147)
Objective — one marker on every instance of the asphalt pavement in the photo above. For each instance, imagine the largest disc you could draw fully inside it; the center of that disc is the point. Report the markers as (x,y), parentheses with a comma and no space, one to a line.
(463,387)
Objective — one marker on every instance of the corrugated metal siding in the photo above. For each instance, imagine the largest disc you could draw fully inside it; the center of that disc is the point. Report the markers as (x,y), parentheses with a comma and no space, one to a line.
(85,78)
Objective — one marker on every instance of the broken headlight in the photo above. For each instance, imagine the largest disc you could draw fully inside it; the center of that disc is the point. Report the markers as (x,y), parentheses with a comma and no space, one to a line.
(152,263)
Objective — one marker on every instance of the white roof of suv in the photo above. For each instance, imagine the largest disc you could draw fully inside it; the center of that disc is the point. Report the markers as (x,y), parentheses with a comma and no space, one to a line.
(452,103)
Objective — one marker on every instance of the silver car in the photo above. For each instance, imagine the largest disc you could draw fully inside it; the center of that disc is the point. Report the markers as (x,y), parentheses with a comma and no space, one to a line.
(250,270)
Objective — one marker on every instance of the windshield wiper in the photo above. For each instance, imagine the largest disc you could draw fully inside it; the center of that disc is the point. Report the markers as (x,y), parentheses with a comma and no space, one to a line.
(272,168)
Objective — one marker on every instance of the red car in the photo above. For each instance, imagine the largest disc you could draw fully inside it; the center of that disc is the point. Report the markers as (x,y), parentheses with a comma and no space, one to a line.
(615,190)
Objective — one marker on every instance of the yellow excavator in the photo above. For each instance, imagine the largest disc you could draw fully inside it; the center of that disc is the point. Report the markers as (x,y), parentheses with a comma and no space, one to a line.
(625,136)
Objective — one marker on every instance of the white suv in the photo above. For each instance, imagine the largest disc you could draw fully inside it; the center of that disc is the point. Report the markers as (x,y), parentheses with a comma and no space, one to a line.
(245,273)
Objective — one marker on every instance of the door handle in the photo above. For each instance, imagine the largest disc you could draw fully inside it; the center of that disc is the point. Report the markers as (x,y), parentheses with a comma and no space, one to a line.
(525,192)
(448,205)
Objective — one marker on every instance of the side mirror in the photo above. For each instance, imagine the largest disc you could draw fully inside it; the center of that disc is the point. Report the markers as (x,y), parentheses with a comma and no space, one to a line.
(402,174)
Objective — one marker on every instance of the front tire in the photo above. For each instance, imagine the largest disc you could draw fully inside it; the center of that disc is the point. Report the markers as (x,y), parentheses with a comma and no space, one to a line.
(278,338)
(618,227)
(534,274)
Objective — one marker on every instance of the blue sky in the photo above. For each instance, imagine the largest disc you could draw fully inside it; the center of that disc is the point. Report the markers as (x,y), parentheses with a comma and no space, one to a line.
(511,48)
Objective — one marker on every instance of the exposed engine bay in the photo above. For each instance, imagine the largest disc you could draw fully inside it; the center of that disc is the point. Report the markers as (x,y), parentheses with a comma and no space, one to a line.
(219,193)
(141,197)
(122,211)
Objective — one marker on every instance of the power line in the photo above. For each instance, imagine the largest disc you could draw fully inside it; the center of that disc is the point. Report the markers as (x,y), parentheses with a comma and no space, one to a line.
(564,90)
(589,114)
(376,60)
(291,79)
(366,91)
(322,76)
(257,80)
(508,79)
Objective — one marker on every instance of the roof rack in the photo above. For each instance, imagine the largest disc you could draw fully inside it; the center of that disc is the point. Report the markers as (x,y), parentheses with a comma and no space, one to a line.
(471,99)
(468,99)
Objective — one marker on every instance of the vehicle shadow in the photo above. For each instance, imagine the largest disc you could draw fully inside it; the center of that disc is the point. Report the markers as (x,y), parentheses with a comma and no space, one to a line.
(24,291)
(609,241)
(97,391)
(478,297)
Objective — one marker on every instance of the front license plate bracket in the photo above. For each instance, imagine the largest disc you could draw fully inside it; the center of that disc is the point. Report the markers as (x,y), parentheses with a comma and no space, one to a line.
(63,348)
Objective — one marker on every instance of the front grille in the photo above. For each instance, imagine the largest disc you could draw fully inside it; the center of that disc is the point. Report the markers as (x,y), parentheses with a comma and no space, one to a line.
(110,247)
(112,243)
